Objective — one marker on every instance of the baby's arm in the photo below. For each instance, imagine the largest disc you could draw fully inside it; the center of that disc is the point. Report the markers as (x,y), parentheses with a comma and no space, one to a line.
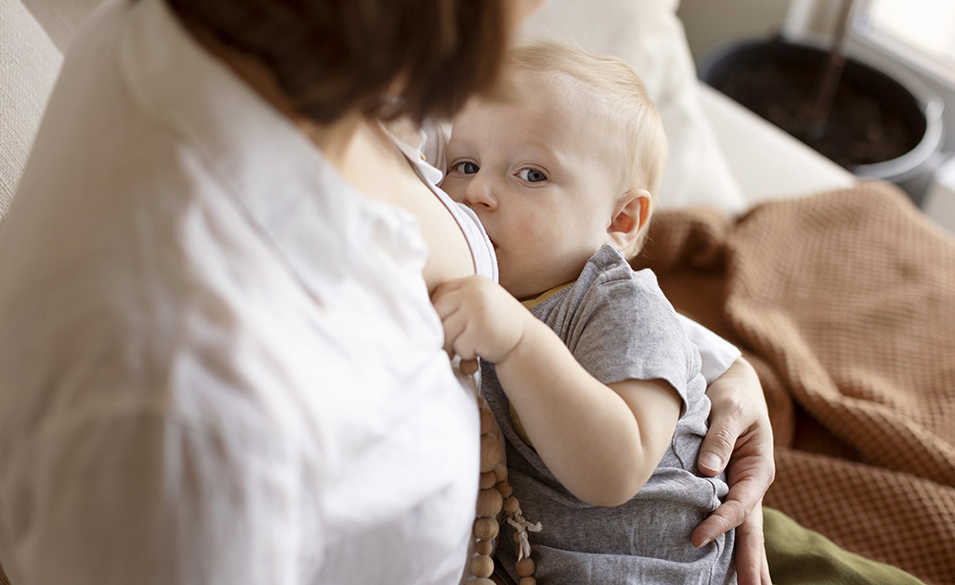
(601,442)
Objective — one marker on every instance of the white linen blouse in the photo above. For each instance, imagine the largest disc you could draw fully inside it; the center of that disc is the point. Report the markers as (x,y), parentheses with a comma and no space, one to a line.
(219,363)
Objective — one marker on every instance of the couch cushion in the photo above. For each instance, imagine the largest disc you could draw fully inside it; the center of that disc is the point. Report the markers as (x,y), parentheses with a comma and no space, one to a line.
(650,37)
(29,63)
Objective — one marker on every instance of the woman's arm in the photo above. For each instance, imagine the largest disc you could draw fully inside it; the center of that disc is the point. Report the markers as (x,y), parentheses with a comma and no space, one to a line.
(601,442)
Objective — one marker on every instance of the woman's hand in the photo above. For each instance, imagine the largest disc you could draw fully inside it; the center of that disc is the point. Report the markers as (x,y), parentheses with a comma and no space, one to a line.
(740,433)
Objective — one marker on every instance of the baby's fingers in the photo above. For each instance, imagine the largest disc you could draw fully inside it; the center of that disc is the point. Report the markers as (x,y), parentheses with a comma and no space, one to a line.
(454,324)
(477,318)
(444,299)
(458,337)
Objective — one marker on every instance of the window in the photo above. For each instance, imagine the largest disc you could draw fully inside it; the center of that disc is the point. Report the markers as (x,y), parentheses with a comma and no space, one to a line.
(920,30)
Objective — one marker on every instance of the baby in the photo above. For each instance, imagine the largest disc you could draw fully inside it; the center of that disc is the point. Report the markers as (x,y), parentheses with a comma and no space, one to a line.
(603,421)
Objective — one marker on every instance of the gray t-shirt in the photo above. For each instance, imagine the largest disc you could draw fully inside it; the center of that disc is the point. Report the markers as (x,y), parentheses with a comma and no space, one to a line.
(619,326)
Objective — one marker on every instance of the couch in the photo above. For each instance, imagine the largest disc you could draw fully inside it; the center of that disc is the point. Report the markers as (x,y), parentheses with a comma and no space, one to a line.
(839,291)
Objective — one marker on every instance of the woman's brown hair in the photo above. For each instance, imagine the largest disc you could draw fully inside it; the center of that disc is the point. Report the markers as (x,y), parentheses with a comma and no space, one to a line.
(331,56)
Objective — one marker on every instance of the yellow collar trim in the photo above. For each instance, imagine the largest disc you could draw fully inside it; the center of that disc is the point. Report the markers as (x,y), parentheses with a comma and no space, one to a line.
(533,302)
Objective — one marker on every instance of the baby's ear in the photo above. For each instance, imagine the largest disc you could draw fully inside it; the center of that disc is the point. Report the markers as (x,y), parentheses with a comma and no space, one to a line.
(631,213)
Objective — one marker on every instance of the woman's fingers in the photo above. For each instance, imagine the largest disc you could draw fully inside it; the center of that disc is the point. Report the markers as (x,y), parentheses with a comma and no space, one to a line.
(750,550)
(718,445)
(739,441)
(743,498)
(749,475)
(738,406)
(752,568)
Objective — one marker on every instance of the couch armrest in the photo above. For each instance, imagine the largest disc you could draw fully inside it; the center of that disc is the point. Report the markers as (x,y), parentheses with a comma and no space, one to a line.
(766,162)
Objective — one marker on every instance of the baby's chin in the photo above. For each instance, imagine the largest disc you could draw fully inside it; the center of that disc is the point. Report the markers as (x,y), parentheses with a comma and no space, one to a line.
(515,292)
(521,289)
(519,292)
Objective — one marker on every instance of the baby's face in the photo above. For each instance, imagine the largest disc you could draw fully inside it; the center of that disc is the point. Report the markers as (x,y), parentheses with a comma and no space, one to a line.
(529,170)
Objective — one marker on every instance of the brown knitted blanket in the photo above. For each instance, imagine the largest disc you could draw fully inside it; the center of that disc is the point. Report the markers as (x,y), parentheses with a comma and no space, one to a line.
(845,304)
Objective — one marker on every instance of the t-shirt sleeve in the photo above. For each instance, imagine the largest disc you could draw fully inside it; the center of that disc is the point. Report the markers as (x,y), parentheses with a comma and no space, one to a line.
(625,329)
(716,353)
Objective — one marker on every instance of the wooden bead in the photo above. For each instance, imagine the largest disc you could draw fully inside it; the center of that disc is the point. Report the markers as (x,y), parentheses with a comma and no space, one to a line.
(525,567)
(500,471)
(486,528)
(511,505)
(489,502)
(481,581)
(491,452)
(487,480)
(505,489)
(484,547)
(468,367)
(482,566)
(481,402)
(487,421)
(528,581)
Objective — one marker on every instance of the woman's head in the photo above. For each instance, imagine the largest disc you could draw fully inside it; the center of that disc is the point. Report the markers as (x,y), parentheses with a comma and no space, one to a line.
(384,58)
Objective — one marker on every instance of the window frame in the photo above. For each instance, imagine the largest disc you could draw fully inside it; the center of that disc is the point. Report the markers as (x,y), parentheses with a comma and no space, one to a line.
(863,31)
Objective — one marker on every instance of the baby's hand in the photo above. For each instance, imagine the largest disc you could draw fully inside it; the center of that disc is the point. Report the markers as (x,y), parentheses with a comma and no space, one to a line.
(480,318)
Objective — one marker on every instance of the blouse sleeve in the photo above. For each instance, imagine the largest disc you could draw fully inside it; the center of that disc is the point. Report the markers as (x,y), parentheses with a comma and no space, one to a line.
(716,353)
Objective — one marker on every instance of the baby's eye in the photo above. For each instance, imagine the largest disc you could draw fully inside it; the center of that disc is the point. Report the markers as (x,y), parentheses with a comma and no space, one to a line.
(532,175)
(467,168)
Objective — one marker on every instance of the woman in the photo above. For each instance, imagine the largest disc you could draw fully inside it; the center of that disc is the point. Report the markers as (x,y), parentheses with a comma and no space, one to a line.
(220,360)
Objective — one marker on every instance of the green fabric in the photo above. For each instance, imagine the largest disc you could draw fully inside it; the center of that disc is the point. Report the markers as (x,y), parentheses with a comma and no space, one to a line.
(799,556)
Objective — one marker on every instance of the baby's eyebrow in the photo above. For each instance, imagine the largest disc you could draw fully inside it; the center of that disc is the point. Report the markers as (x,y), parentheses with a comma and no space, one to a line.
(456,148)
(546,157)
(459,139)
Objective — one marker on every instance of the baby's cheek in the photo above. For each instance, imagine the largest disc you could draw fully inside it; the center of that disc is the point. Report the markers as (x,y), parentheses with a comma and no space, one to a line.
(528,245)
(531,226)
(451,187)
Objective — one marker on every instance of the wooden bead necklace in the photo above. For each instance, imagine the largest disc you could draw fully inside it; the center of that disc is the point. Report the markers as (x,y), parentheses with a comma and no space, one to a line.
(495,496)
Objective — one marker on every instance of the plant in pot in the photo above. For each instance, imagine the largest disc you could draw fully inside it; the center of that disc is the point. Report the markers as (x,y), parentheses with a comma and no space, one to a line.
(873,123)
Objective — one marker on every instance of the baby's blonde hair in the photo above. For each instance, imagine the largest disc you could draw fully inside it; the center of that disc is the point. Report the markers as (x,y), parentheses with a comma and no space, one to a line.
(607,86)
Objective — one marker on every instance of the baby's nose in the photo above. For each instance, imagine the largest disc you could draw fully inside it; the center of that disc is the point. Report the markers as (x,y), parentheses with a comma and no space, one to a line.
(480,193)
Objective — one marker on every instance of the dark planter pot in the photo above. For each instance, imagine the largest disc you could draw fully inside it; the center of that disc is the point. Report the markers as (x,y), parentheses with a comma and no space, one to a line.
(879,126)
